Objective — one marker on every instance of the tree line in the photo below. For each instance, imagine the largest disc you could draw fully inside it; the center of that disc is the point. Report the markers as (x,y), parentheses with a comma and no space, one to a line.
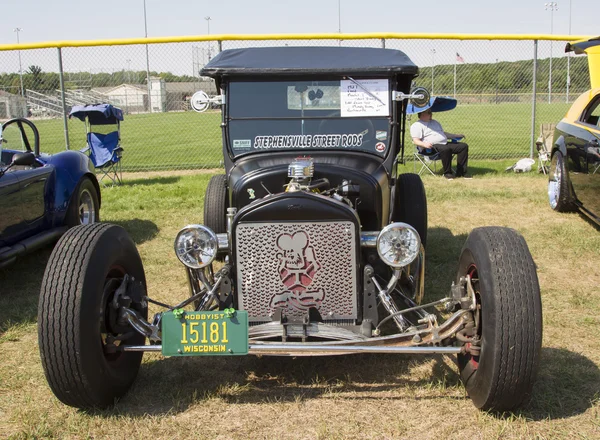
(507,77)
(500,77)
(35,79)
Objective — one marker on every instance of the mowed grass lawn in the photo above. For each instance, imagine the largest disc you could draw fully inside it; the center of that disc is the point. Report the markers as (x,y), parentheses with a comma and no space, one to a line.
(361,396)
(189,140)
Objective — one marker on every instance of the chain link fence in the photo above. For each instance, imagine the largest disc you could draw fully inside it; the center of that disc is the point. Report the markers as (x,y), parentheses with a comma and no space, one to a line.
(495,82)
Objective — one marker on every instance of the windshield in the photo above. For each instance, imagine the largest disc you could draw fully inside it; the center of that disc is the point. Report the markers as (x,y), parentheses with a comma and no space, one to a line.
(348,114)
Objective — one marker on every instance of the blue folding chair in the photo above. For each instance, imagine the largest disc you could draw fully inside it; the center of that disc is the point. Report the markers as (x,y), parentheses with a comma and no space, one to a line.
(104,149)
(427,156)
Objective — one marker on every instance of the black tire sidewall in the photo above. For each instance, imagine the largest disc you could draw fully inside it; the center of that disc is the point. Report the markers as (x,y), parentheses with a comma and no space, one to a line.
(216,203)
(565,197)
(410,203)
(478,383)
(115,248)
(72,218)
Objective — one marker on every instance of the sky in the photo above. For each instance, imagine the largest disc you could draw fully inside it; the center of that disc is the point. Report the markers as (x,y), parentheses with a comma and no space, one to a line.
(43,20)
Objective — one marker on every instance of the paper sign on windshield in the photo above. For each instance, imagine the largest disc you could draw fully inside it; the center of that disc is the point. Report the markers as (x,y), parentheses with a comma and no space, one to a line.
(364,97)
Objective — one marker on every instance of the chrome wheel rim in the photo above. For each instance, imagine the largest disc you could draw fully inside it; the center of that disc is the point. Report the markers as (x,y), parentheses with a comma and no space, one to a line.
(554,183)
(87,215)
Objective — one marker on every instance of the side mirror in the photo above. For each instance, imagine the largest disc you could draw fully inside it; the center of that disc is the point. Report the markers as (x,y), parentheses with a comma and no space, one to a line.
(200,101)
(23,159)
(420,96)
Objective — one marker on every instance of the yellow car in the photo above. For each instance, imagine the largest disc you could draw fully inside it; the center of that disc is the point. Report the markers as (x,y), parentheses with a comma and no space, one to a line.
(574,178)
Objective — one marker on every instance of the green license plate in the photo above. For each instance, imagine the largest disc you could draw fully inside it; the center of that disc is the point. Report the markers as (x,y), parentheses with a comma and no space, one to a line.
(204,334)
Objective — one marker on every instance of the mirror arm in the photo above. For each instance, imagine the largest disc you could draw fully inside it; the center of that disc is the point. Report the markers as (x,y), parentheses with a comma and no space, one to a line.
(399,96)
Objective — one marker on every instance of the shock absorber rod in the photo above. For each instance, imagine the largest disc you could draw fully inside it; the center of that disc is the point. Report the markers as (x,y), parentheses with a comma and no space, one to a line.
(389,303)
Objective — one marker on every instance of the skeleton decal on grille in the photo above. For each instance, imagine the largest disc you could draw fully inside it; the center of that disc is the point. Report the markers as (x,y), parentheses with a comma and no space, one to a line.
(297,268)
(293,266)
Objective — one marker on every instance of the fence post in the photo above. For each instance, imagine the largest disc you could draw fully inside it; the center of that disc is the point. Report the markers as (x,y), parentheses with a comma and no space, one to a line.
(383,43)
(535,51)
(63,98)
(220,45)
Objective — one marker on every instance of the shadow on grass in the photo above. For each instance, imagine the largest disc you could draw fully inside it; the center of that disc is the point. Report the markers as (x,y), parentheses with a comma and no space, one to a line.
(480,171)
(151,181)
(473,170)
(441,262)
(21,283)
(139,230)
(568,383)
(172,385)
(588,219)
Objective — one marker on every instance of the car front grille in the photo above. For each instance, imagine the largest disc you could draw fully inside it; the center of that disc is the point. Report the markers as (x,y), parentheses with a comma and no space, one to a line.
(296,266)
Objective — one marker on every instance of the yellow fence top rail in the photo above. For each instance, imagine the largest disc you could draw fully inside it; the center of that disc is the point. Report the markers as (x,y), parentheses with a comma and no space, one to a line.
(331,36)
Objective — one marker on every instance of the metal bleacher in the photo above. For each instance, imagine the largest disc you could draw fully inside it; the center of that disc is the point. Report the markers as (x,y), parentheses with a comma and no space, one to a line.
(52,104)
(37,101)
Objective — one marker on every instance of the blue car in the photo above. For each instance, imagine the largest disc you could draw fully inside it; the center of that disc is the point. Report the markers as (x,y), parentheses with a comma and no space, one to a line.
(41,195)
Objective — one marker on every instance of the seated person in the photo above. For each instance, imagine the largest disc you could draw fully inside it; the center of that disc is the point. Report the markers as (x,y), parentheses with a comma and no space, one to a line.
(427,133)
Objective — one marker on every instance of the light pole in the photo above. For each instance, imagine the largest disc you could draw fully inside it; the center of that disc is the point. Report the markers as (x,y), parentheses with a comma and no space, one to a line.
(339,20)
(147,62)
(17,30)
(496,80)
(207,18)
(569,57)
(128,71)
(432,67)
(550,6)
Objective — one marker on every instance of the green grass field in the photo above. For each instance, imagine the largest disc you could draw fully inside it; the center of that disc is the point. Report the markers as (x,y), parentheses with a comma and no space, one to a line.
(189,140)
(341,397)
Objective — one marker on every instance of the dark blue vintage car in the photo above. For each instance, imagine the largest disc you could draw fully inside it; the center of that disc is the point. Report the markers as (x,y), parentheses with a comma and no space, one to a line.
(41,195)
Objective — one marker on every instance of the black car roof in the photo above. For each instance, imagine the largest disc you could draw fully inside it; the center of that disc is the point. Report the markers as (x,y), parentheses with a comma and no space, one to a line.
(309,60)
(579,47)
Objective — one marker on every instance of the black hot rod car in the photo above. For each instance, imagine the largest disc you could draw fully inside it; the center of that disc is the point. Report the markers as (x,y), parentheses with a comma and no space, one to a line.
(312,244)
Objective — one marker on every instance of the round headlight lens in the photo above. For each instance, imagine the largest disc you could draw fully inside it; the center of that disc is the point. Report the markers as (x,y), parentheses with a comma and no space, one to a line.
(196,246)
(398,244)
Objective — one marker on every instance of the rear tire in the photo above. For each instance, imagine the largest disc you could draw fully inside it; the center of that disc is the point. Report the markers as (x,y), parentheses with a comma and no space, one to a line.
(74,317)
(508,320)
(410,203)
(216,203)
(559,194)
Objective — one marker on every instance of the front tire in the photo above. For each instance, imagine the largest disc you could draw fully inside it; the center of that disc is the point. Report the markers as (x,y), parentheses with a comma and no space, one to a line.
(508,320)
(559,194)
(75,321)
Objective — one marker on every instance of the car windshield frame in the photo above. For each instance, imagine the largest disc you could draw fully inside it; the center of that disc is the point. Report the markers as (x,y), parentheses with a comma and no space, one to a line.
(305,115)
(592,107)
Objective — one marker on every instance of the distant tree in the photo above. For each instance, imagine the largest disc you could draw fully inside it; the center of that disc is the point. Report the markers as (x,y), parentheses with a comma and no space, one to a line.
(34,70)
(34,78)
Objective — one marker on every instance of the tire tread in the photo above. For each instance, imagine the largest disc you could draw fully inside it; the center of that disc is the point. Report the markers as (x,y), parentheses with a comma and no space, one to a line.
(519,320)
(58,312)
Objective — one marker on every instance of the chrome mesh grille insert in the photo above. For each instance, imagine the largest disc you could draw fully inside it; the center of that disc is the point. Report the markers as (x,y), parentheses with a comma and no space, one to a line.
(294,266)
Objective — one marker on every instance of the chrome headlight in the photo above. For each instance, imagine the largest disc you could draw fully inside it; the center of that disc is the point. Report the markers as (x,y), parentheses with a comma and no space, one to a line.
(398,244)
(196,246)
